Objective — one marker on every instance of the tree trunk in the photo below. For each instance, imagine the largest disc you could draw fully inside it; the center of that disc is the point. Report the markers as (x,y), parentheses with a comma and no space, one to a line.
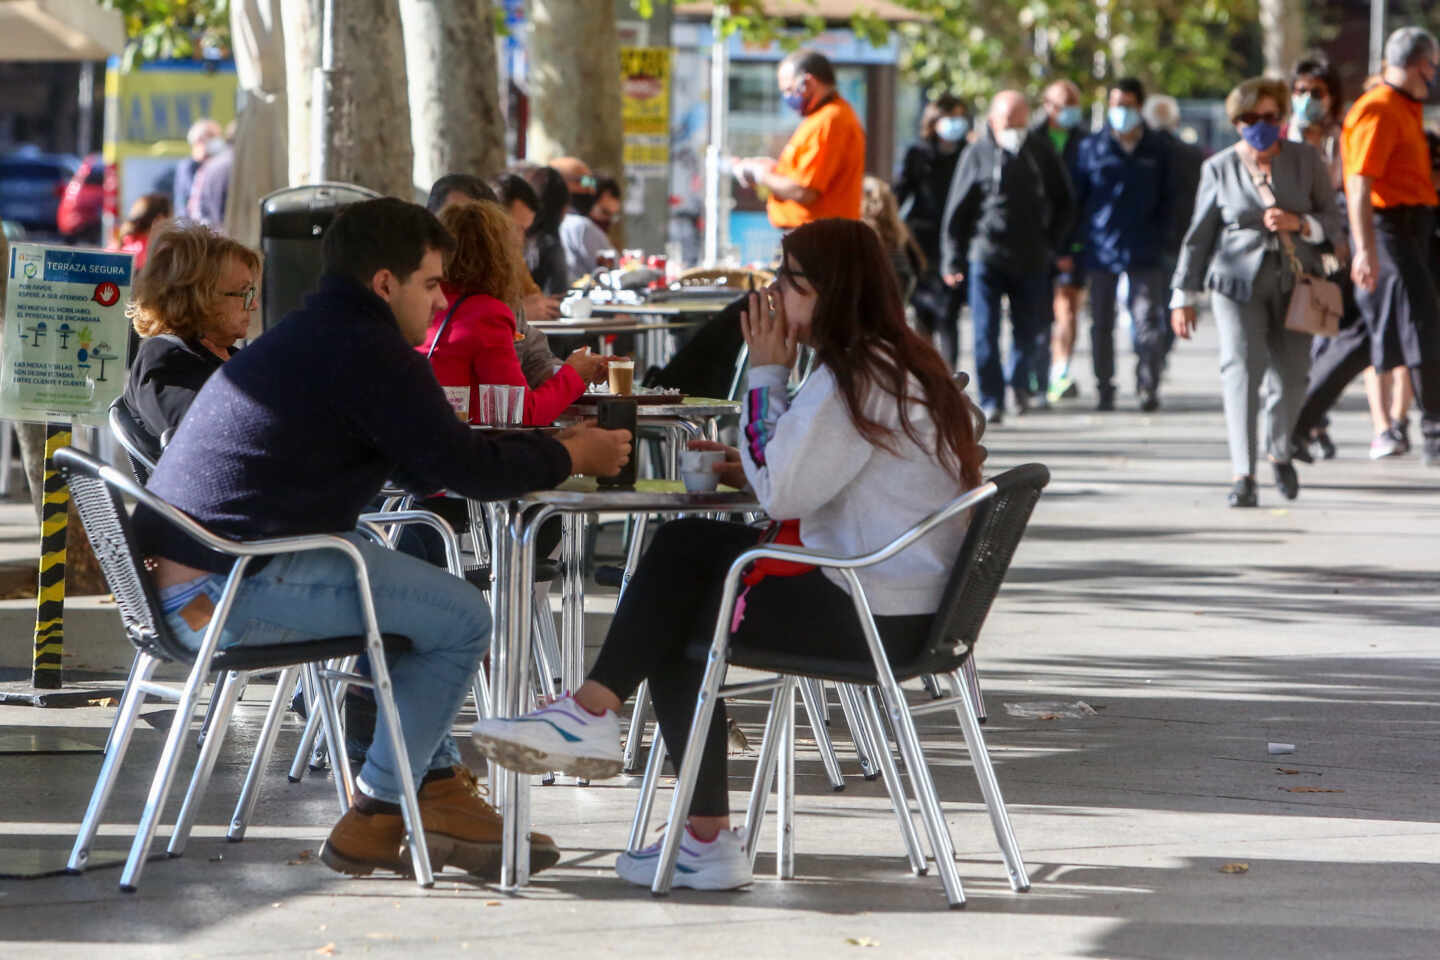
(574,83)
(302,57)
(1282,31)
(368,113)
(455,119)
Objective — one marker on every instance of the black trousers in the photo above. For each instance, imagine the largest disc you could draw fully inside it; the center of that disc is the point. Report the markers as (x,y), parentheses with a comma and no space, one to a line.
(937,309)
(1403,313)
(1334,363)
(671,605)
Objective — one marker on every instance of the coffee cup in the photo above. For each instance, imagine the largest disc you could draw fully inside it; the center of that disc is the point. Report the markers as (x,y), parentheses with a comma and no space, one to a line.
(697,470)
(576,308)
(622,377)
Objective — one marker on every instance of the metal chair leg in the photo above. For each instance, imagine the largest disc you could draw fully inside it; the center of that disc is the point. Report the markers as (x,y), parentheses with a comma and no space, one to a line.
(866,751)
(545,671)
(811,696)
(334,739)
(649,786)
(637,728)
(264,747)
(932,686)
(931,812)
(547,636)
(764,777)
(972,680)
(224,700)
(119,742)
(990,788)
(129,682)
(899,801)
(306,744)
(785,788)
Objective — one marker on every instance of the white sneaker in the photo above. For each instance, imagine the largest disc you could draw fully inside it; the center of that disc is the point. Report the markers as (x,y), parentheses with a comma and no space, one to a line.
(1385,444)
(562,737)
(720,864)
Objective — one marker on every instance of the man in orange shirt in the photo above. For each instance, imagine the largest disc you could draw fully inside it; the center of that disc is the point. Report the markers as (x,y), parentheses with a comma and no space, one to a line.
(1391,202)
(819,172)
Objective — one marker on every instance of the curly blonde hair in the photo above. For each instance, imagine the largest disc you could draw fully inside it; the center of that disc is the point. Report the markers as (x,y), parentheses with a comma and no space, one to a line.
(487,258)
(879,209)
(178,291)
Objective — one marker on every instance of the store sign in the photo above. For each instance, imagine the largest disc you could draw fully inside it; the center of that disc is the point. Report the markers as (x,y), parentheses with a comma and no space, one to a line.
(63,353)
(645,108)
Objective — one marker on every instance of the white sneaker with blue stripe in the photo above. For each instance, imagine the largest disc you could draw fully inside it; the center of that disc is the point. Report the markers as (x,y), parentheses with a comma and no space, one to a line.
(563,737)
(720,864)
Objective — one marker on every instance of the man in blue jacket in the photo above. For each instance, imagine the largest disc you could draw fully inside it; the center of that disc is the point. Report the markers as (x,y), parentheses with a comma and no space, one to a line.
(1124,183)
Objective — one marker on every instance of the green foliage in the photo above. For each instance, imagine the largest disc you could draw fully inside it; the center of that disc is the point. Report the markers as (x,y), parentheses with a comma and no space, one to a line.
(1184,47)
(173,29)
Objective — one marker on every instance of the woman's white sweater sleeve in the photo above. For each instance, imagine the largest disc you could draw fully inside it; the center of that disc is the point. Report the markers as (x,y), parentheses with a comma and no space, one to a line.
(798,454)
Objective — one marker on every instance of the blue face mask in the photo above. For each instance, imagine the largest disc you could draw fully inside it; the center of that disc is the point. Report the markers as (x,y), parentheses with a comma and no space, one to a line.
(1262,136)
(1123,119)
(1307,109)
(795,99)
(1071,117)
(952,129)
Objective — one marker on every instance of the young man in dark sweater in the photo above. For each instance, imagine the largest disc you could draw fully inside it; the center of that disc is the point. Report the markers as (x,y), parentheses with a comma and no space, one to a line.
(295,436)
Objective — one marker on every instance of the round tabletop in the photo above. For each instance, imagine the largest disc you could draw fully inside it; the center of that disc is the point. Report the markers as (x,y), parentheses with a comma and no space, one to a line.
(647,496)
(598,325)
(691,408)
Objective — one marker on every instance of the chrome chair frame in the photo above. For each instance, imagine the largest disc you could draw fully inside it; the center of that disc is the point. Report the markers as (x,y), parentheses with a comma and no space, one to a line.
(96,489)
(1026,482)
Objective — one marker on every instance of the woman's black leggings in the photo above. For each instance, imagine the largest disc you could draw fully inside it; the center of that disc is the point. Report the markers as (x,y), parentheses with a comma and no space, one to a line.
(671,605)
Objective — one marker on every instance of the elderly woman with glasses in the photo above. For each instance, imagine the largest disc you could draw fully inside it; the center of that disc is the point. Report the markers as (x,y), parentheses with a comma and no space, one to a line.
(192,301)
(1263,205)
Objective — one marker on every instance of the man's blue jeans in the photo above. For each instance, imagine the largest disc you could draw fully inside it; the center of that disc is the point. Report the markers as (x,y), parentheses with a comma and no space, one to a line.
(303,596)
(1030,316)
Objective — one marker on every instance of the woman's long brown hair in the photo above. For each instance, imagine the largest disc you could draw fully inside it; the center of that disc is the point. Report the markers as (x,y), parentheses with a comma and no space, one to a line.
(859,333)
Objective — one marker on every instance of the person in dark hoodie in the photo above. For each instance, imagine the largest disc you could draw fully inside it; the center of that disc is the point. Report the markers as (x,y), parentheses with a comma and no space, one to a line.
(1009,209)
(1124,185)
(922,184)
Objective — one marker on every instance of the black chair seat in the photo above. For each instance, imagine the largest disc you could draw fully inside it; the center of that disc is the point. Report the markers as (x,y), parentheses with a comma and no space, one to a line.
(545,571)
(821,668)
(268,656)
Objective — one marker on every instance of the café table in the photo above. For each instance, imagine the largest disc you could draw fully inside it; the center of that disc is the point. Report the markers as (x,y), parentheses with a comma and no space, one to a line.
(652,341)
(515,525)
(697,417)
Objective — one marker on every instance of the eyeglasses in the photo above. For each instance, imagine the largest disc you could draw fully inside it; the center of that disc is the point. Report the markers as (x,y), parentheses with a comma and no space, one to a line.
(1250,119)
(784,274)
(247,295)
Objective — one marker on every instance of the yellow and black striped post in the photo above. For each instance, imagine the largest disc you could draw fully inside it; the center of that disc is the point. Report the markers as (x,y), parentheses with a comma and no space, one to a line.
(50,599)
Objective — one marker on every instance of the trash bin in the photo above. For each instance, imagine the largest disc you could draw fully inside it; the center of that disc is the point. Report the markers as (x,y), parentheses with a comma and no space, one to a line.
(292,223)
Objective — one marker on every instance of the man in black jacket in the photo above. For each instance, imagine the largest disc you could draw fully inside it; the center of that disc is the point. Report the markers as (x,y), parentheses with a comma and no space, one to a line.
(1010,207)
(295,436)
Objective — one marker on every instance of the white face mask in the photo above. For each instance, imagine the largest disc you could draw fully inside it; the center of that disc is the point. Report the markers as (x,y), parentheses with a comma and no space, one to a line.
(1010,139)
(214,145)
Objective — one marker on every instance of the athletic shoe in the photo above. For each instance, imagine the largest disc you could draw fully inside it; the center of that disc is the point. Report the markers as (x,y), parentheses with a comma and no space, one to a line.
(563,737)
(1149,400)
(720,864)
(1386,444)
(1243,494)
(1106,401)
(994,416)
(1402,434)
(1062,387)
(1287,481)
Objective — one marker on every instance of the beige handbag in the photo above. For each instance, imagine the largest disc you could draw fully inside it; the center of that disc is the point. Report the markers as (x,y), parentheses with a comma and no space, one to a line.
(1316,304)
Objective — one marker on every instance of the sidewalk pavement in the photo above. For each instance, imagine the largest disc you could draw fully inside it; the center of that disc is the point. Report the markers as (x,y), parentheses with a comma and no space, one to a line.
(1197,633)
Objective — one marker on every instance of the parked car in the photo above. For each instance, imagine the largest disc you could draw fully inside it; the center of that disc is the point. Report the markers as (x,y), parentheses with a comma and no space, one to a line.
(32,183)
(80,207)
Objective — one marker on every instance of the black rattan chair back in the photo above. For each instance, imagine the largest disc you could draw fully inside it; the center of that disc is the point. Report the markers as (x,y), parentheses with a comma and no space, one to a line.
(141,450)
(996,527)
(107,524)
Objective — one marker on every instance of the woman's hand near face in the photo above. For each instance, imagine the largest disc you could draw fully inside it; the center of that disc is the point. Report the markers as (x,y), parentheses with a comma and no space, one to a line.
(767,334)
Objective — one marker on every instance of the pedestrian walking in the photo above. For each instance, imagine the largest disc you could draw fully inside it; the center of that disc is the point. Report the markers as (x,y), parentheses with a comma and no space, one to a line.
(921,185)
(1124,182)
(1264,205)
(1010,207)
(1391,200)
(1063,124)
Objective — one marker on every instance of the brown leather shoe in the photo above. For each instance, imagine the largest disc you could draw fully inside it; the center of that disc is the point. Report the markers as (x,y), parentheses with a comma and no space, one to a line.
(362,843)
(463,830)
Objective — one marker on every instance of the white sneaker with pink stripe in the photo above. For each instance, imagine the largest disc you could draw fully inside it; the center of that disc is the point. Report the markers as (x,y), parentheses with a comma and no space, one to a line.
(563,737)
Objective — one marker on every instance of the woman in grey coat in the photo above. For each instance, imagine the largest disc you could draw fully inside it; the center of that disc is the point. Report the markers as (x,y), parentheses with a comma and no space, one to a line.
(1250,195)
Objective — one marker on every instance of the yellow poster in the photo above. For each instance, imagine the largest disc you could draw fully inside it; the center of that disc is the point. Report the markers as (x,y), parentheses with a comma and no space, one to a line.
(645,108)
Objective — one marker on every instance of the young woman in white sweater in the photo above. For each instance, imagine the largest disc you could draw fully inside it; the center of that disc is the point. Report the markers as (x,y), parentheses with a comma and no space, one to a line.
(879,437)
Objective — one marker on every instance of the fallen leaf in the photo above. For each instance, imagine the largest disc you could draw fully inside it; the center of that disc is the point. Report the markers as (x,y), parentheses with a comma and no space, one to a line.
(1283,770)
(377,936)
(328,950)
(105,702)
(862,942)
(1310,789)
(492,903)
(1235,868)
